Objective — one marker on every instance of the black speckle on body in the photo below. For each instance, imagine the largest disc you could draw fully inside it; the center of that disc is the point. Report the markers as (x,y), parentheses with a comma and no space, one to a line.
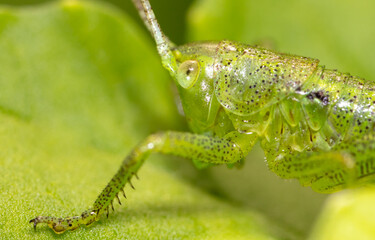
(324,98)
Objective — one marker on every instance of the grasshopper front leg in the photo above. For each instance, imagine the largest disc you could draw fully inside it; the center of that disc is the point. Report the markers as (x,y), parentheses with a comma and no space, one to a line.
(230,149)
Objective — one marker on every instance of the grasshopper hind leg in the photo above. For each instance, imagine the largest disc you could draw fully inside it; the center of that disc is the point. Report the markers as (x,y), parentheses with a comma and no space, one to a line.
(346,165)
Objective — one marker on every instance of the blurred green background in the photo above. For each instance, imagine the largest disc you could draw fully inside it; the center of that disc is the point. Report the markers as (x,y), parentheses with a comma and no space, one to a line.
(171,18)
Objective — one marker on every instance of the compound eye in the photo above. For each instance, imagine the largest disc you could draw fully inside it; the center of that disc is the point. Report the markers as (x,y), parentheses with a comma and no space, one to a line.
(187,73)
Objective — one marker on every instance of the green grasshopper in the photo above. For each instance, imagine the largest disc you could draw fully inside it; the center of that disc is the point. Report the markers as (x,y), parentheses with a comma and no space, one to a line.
(314,124)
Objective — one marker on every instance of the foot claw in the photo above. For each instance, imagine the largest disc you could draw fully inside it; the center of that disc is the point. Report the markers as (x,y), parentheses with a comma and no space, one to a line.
(35,221)
(60,225)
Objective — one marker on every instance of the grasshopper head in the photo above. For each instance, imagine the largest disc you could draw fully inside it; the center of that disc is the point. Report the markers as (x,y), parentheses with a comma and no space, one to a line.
(191,66)
(194,77)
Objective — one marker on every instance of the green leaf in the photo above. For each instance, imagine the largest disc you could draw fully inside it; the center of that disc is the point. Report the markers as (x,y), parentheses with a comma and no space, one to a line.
(337,33)
(80,84)
(348,215)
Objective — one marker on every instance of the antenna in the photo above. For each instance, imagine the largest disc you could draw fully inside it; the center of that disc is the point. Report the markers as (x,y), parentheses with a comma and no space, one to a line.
(162,42)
